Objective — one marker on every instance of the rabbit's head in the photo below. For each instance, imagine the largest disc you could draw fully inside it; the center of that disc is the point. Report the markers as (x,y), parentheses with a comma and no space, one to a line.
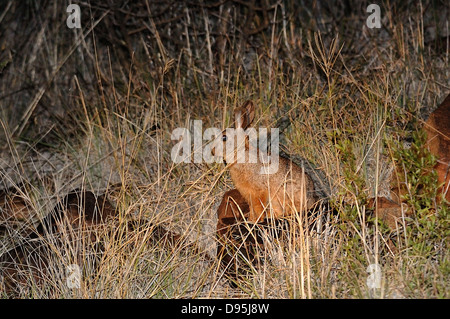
(232,140)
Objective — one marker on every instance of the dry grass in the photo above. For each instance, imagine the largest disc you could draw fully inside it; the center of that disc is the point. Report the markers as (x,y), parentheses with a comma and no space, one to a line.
(346,89)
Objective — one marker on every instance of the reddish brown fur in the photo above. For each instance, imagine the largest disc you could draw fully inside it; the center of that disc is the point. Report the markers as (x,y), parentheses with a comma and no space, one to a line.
(438,141)
(233,208)
(437,128)
(285,191)
(237,243)
(79,213)
(15,211)
(387,210)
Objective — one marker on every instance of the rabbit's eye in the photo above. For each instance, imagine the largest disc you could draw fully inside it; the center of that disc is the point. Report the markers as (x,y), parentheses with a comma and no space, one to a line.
(224,138)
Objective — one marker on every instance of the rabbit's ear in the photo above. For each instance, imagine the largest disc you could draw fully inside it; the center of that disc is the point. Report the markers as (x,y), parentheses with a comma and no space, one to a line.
(244,115)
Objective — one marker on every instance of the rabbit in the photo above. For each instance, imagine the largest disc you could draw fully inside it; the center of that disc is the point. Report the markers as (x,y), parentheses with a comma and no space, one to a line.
(437,128)
(277,194)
